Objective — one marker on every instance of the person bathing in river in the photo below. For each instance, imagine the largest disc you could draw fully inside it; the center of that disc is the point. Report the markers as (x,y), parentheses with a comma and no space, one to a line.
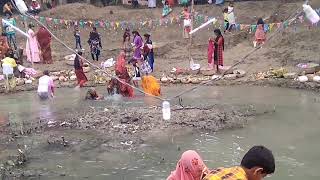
(121,70)
(78,67)
(46,86)
(150,85)
(93,95)
(218,49)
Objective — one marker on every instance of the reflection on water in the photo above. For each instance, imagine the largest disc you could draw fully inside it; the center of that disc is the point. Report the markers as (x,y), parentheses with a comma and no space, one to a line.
(292,132)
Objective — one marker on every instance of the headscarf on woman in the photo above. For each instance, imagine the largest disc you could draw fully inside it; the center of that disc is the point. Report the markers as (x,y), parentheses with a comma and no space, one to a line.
(122,73)
(189,167)
(120,66)
(44,40)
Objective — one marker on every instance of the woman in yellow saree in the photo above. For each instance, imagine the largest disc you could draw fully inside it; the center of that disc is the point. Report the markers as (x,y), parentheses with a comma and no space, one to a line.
(150,85)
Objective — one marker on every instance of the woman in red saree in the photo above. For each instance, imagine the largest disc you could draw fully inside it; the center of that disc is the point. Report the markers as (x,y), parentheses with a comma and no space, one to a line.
(218,49)
(210,53)
(122,73)
(78,67)
(44,39)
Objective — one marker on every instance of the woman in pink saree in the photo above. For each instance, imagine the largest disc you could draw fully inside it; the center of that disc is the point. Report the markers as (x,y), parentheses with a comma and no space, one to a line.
(189,167)
(32,46)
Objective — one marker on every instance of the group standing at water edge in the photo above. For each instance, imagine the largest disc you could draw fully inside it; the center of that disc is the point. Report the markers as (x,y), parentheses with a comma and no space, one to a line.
(137,50)
(256,164)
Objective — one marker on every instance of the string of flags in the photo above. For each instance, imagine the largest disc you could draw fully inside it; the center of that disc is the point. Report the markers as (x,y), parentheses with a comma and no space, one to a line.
(153,23)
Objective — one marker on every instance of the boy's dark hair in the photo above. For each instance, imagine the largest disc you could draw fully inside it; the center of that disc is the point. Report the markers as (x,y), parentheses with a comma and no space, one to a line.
(259,156)
(225,10)
(46,72)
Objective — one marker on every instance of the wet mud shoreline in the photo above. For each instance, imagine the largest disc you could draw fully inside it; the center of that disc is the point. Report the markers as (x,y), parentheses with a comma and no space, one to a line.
(114,130)
(270,82)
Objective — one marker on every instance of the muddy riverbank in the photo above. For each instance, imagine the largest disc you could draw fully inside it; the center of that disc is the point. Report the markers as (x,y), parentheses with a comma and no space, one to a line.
(113,129)
(270,82)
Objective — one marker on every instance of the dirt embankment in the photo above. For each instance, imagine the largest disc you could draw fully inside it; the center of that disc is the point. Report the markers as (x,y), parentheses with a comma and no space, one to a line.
(111,129)
(294,45)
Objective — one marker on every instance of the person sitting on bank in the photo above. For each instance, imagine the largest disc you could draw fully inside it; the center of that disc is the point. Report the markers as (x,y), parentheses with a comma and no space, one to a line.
(35,7)
(7,9)
(8,65)
(46,86)
(256,164)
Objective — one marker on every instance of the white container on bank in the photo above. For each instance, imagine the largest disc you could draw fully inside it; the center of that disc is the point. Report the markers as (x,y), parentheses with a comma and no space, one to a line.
(311,14)
(166,111)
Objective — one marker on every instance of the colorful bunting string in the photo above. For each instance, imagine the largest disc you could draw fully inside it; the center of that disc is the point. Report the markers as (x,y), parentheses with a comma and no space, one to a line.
(152,23)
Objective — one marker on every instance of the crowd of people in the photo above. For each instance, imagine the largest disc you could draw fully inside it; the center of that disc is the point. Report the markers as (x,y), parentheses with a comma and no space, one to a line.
(137,52)
(256,164)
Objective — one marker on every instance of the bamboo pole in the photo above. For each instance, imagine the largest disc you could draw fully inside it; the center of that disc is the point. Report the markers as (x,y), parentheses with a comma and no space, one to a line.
(190,35)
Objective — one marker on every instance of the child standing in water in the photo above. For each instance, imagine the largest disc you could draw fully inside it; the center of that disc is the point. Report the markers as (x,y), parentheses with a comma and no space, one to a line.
(77,37)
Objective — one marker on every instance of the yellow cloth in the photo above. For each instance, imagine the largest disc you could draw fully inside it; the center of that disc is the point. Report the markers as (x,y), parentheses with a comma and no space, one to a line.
(150,85)
(9,61)
(226,17)
(233,173)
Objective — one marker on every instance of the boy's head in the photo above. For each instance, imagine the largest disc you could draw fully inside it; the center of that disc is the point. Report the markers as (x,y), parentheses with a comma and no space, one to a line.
(225,10)
(46,72)
(258,163)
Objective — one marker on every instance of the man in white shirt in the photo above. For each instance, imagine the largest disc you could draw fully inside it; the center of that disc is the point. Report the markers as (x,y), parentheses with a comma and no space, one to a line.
(46,86)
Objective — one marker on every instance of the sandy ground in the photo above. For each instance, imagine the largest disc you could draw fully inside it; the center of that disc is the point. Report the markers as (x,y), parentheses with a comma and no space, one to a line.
(286,49)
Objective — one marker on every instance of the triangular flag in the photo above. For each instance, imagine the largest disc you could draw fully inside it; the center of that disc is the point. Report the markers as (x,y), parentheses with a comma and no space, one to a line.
(253,28)
(285,24)
(278,25)
(238,27)
(271,26)
(81,23)
(266,27)
(101,24)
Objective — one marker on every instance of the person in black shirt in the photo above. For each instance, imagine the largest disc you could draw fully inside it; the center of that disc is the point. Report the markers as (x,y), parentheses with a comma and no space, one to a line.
(150,54)
(95,44)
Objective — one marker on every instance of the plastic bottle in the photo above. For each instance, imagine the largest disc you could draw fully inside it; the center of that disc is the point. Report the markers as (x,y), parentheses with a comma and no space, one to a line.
(166,112)
(311,14)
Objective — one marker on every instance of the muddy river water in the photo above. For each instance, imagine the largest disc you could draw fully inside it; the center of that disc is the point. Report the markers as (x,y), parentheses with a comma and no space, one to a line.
(292,132)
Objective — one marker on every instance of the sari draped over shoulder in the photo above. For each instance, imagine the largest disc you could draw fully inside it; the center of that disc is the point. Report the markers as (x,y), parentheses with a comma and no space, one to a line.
(44,39)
